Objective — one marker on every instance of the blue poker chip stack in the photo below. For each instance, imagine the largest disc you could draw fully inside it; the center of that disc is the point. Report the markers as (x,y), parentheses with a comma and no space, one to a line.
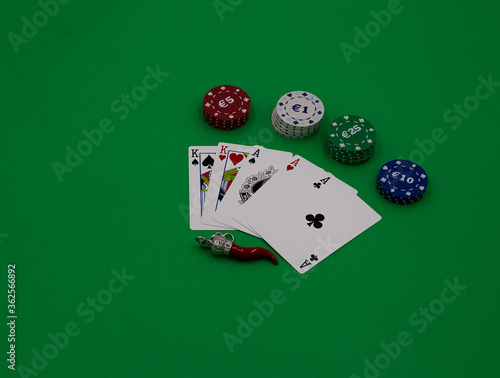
(402,182)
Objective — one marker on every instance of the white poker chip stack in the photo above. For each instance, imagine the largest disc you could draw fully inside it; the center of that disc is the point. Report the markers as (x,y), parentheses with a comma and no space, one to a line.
(297,114)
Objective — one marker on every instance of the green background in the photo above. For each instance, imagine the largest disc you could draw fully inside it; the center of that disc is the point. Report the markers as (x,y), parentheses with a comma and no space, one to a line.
(124,205)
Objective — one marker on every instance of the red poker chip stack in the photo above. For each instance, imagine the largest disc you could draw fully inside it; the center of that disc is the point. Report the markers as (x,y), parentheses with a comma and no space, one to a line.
(226,107)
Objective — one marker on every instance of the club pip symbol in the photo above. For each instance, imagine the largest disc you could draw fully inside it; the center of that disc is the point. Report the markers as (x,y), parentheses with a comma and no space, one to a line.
(315,220)
(225,103)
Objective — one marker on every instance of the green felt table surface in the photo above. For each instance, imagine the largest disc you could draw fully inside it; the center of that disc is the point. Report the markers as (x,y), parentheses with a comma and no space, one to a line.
(109,279)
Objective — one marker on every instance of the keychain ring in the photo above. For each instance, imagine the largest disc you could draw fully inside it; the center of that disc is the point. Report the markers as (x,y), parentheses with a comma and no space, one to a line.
(204,242)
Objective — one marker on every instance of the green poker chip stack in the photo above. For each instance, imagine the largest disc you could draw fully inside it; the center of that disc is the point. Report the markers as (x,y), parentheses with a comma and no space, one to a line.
(350,139)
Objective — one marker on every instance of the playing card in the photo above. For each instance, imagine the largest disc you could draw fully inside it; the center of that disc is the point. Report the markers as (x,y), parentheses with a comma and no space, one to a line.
(297,166)
(260,166)
(306,170)
(201,161)
(228,160)
(307,216)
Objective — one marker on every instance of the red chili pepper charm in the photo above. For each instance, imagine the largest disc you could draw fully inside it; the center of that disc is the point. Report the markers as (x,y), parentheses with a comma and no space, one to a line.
(251,253)
(220,244)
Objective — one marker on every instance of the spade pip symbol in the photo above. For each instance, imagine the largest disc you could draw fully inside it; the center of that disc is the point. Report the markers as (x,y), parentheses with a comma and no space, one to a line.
(208,162)
(195,162)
